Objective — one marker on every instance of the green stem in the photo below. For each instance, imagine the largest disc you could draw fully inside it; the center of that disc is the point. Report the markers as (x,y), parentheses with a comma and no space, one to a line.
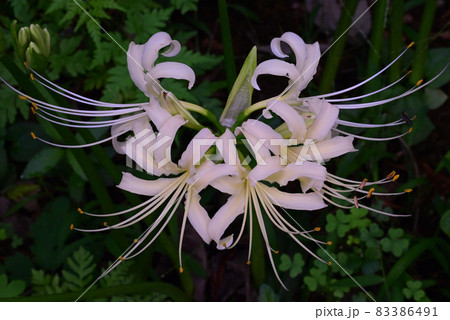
(335,53)
(230,66)
(204,112)
(395,38)
(127,289)
(376,45)
(422,42)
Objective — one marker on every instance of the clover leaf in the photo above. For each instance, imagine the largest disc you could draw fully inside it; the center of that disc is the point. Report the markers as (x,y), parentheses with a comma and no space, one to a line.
(413,290)
(317,278)
(394,242)
(370,235)
(295,266)
(338,222)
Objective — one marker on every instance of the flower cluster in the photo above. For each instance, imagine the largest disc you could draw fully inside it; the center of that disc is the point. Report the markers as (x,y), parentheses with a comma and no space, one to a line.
(246,159)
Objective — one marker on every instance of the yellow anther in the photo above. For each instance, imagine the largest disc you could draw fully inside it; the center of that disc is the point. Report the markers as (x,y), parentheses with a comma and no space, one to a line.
(408,190)
(370,192)
(33,135)
(105,223)
(80,211)
(419,82)
(135,240)
(329,243)
(317,229)
(355,201)
(396,177)
(249,262)
(34,106)
(121,258)
(411,44)
(32,110)
(363,183)
(390,175)
(277,252)
(224,245)
(22,97)
(71,226)
(410,130)
(329,263)
(409,72)
(181,269)
(31,76)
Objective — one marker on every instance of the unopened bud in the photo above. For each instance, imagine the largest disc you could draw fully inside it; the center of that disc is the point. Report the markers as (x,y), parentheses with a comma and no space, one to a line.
(23,38)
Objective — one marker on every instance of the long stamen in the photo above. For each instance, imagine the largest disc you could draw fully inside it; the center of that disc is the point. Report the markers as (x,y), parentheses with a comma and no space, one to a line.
(371,93)
(75,146)
(76,97)
(372,139)
(369,125)
(368,79)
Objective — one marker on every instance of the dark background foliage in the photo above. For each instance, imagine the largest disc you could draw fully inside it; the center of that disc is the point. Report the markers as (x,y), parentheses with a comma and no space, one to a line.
(394,259)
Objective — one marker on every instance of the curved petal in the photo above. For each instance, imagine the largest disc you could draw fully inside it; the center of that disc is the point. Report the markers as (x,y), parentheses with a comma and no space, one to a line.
(264,135)
(228,184)
(326,116)
(157,114)
(173,49)
(293,119)
(197,148)
(294,171)
(323,150)
(263,170)
(144,187)
(225,216)
(198,217)
(175,70)
(295,201)
(297,45)
(310,65)
(209,172)
(163,143)
(137,126)
(276,68)
(151,48)
(136,70)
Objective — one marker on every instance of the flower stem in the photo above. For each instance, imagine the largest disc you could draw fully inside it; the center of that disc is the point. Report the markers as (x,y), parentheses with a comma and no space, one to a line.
(395,37)
(422,42)
(230,66)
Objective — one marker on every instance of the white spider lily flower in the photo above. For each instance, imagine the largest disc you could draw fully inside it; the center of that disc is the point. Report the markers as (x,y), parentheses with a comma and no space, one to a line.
(143,72)
(307,58)
(248,193)
(167,194)
(301,73)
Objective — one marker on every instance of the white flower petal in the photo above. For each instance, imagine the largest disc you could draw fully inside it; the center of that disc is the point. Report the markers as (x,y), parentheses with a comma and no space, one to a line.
(225,216)
(274,67)
(310,66)
(260,132)
(326,116)
(144,187)
(157,114)
(173,49)
(163,143)
(135,68)
(294,171)
(198,217)
(202,141)
(295,201)
(297,45)
(136,126)
(262,171)
(207,173)
(293,119)
(151,49)
(227,184)
(175,70)
(323,150)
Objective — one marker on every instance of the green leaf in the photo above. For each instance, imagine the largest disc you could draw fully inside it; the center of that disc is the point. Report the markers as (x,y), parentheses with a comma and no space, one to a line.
(267,294)
(286,263)
(434,98)
(445,223)
(81,269)
(240,96)
(42,162)
(12,289)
